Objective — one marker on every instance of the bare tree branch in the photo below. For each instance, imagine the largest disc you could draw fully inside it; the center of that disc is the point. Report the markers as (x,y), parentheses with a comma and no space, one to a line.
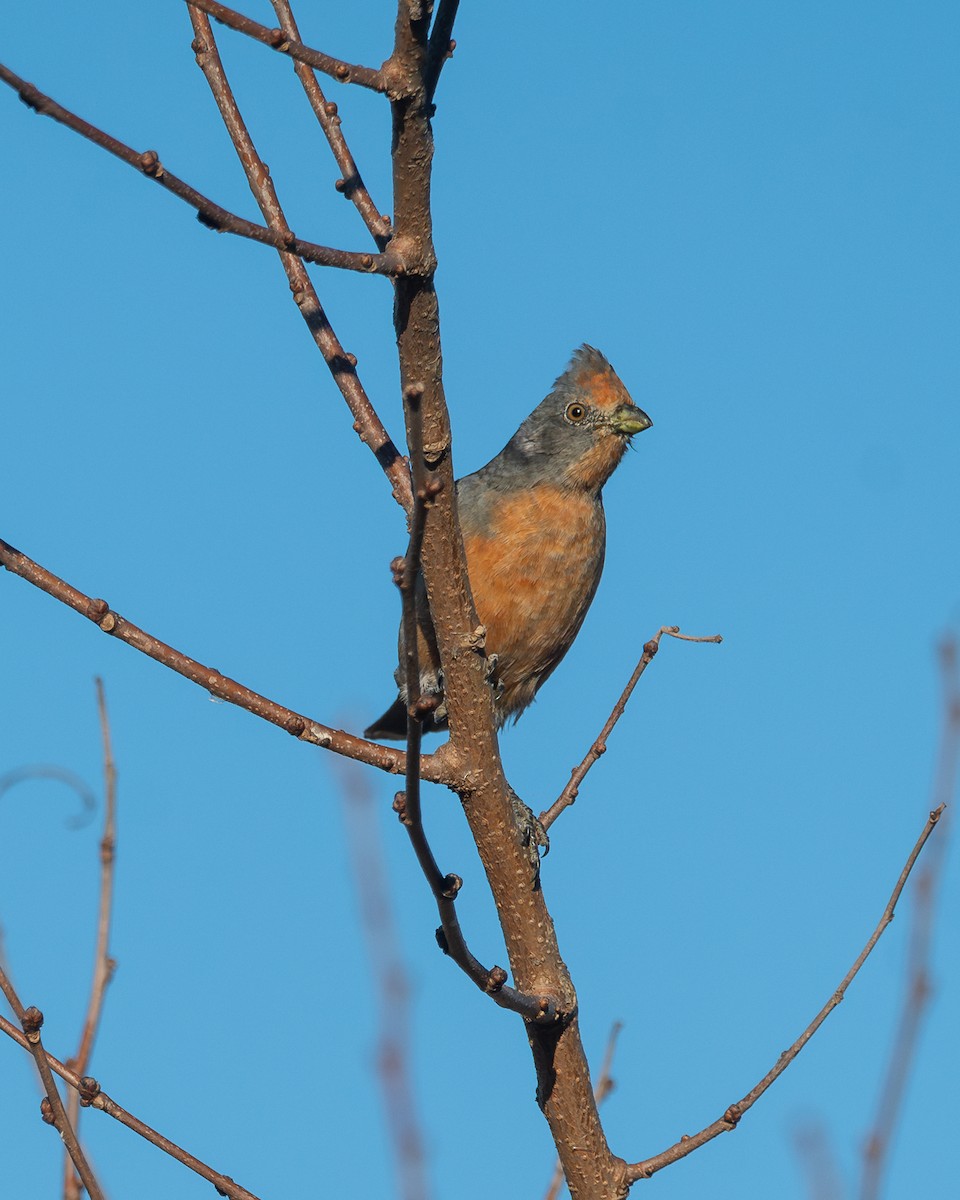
(435,767)
(343,366)
(31,1021)
(441,47)
(103,964)
(599,747)
(351,184)
(918,986)
(91,1096)
(563,1077)
(276,39)
(212,215)
(730,1119)
(604,1086)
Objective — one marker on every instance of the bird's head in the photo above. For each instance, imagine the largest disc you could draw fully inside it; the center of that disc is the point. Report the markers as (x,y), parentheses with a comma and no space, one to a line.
(579,433)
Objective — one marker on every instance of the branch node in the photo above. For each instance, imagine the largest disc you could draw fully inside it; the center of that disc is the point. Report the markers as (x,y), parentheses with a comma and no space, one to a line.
(475,640)
(150,164)
(732,1116)
(451,886)
(400,808)
(426,704)
(108,622)
(495,980)
(89,1089)
(32,1023)
(46,1111)
(397,567)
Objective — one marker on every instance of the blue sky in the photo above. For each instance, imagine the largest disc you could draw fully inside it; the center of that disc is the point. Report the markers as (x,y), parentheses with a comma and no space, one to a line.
(751,209)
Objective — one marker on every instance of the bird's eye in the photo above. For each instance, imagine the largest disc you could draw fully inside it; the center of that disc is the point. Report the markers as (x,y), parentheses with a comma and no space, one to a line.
(575,413)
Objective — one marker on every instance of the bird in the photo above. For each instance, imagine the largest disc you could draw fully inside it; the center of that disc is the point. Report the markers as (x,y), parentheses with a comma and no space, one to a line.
(534,536)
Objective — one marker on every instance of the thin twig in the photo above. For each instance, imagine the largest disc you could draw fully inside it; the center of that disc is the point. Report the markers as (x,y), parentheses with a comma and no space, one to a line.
(351,184)
(31,1020)
(441,47)
(103,964)
(730,1119)
(579,773)
(91,1096)
(918,985)
(212,215)
(343,366)
(276,39)
(435,768)
(604,1086)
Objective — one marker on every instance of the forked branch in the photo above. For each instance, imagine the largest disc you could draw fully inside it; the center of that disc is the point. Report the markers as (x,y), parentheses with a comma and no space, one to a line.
(343,366)
(350,184)
(276,39)
(148,163)
(91,1096)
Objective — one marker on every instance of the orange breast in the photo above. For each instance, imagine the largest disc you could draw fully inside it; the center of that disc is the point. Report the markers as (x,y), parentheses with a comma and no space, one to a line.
(533,574)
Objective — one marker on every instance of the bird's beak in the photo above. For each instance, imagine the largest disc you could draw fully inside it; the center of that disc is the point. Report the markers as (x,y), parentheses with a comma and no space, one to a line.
(628,420)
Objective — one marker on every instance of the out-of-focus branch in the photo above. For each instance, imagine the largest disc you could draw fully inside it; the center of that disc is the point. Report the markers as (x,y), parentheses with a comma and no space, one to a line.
(52,1110)
(91,1096)
(276,39)
(391,979)
(815,1152)
(350,185)
(103,964)
(434,767)
(343,366)
(212,215)
(579,773)
(918,986)
(47,771)
(731,1118)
